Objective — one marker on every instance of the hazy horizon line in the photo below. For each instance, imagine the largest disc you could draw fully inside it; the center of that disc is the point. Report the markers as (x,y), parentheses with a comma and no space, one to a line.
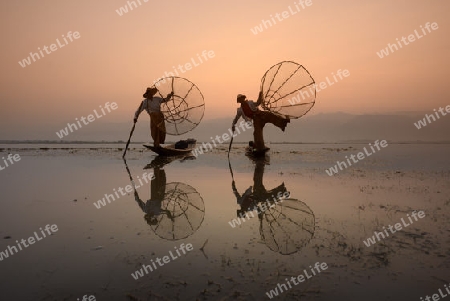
(359,141)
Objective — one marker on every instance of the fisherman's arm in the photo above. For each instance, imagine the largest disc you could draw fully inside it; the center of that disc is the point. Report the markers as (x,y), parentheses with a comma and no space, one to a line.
(168,97)
(235,120)
(260,98)
(139,201)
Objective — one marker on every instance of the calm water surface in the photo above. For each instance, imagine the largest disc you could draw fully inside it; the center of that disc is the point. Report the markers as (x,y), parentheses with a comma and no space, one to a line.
(192,201)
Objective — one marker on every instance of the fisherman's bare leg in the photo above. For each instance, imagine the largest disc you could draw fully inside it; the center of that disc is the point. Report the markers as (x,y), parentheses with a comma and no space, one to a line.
(275,119)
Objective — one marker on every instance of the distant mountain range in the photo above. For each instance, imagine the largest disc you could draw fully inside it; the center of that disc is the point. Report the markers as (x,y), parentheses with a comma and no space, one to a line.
(319,128)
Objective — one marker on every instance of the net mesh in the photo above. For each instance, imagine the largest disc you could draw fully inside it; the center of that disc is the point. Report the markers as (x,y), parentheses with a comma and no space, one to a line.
(288,226)
(184,110)
(187,212)
(288,89)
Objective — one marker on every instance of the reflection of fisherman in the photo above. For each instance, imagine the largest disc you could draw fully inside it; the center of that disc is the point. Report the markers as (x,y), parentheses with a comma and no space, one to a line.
(152,105)
(169,202)
(249,111)
(259,199)
(245,201)
(152,207)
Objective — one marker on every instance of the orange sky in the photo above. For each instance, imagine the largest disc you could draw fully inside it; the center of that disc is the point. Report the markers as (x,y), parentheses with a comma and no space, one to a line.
(117,57)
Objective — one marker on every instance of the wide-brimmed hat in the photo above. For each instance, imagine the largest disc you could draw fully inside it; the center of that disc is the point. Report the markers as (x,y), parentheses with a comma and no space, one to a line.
(151,91)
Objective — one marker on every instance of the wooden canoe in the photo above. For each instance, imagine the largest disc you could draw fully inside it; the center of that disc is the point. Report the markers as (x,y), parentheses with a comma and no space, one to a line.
(170,150)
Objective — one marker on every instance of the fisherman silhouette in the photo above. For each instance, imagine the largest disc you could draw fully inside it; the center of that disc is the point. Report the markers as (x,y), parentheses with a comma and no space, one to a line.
(153,207)
(152,105)
(286,224)
(257,196)
(175,210)
(249,111)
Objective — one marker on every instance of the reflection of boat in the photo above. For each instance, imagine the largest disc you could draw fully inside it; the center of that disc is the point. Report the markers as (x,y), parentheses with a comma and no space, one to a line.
(172,149)
(175,210)
(286,224)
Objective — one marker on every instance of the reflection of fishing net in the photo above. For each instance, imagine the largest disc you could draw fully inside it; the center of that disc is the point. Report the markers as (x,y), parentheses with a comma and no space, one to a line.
(288,226)
(187,211)
(184,110)
(288,89)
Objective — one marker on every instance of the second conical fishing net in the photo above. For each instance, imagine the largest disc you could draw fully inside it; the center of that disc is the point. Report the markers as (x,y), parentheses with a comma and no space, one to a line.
(287,227)
(288,89)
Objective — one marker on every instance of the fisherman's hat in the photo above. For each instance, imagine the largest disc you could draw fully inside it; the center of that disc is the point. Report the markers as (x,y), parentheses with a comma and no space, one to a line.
(152,91)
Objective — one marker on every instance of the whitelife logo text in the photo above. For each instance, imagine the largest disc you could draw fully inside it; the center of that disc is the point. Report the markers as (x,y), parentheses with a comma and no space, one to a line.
(49,49)
(86,120)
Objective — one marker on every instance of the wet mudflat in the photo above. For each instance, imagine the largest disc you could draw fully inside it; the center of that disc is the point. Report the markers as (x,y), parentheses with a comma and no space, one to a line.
(325,219)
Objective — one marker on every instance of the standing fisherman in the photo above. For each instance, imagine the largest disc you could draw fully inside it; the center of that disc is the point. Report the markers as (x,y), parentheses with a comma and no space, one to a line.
(249,111)
(152,105)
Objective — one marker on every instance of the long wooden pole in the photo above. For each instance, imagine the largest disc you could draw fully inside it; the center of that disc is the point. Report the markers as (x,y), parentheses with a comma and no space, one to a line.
(231,142)
(129,139)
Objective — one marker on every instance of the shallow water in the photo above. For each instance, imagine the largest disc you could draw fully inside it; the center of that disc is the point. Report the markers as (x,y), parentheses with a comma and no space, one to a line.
(325,219)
